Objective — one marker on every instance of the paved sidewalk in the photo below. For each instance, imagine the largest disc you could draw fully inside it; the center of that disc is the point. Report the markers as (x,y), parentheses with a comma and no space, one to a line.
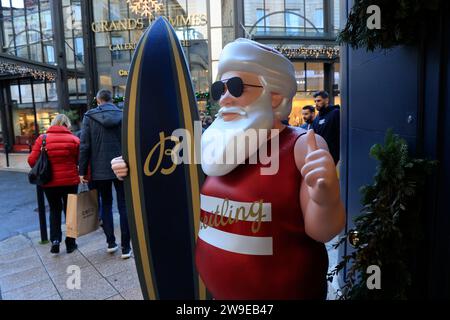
(17,162)
(29,272)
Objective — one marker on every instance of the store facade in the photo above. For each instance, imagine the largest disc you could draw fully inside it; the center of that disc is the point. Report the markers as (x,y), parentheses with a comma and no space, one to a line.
(88,45)
(304,30)
(117,26)
(41,67)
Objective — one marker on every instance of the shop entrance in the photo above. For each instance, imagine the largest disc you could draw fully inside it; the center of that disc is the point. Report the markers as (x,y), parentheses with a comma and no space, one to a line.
(27,108)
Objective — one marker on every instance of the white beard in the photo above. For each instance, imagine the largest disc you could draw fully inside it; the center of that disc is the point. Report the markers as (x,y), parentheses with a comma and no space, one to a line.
(219,142)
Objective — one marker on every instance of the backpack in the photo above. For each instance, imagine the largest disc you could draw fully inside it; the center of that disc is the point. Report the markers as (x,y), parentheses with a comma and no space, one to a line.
(41,173)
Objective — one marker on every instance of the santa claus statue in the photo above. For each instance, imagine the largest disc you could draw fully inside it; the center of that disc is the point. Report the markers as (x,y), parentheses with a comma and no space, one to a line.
(262,233)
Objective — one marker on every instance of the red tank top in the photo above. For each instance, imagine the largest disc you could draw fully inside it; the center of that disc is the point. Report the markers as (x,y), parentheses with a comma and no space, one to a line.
(252,242)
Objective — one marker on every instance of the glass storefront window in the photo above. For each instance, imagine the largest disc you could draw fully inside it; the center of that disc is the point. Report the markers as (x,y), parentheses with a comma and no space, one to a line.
(118,38)
(8,35)
(188,20)
(24,124)
(46,24)
(101,11)
(23,120)
(300,75)
(49,53)
(253,11)
(17,5)
(45,112)
(70,58)
(6,4)
(314,77)
(310,78)
(275,22)
(27,26)
(39,92)
(118,9)
(36,52)
(15,92)
(26,93)
(27,32)
(72,83)
(284,18)
(20,30)
(44,4)
(336,15)
(27,98)
(293,21)
(81,86)
(260,20)
(216,14)
(73,34)
(32,17)
(79,51)
(52,94)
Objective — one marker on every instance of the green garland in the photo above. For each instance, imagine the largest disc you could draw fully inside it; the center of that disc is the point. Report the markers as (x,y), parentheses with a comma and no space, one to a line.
(402,21)
(389,230)
(202,95)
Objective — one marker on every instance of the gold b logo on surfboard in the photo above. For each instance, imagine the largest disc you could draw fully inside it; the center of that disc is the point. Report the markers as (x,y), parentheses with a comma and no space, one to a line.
(163,152)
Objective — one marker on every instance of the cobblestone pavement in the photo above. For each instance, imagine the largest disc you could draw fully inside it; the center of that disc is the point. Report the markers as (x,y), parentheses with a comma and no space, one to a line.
(28,271)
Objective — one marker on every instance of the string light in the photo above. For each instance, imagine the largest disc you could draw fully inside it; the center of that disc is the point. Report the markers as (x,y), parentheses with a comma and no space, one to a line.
(15,69)
(309,52)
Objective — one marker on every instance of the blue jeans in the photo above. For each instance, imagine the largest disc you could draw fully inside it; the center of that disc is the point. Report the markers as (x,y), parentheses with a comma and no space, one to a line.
(104,188)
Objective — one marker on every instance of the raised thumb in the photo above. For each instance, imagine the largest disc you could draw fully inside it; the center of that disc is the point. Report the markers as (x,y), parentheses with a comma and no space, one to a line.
(311,141)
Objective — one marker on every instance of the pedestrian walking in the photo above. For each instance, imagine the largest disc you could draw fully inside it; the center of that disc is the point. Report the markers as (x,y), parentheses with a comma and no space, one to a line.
(100,143)
(63,151)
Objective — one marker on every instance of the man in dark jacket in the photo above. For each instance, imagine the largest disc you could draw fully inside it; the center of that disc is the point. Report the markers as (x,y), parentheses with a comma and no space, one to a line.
(327,123)
(100,143)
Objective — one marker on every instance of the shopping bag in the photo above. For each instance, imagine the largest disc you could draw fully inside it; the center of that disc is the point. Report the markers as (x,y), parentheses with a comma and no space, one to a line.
(82,213)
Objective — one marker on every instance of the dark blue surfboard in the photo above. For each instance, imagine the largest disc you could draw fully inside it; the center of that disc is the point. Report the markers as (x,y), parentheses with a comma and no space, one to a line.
(163,200)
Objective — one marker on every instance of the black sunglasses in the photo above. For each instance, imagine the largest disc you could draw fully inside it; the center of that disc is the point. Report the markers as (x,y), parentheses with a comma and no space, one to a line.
(234,85)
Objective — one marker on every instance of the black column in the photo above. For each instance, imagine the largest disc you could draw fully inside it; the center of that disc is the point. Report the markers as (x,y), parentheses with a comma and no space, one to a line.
(328,71)
(328,17)
(60,49)
(239,32)
(6,118)
(90,62)
(3,113)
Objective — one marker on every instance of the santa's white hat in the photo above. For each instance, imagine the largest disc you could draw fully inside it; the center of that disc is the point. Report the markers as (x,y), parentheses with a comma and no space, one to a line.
(276,71)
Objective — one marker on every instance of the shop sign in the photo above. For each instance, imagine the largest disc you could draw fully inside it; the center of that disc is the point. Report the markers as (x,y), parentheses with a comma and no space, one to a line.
(193,20)
(118,25)
(132,46)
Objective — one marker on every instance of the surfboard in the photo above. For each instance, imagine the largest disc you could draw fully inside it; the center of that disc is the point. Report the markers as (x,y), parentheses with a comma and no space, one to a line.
(163,199)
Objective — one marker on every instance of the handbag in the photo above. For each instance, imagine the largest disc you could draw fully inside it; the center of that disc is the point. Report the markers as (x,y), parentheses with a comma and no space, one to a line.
(41,173)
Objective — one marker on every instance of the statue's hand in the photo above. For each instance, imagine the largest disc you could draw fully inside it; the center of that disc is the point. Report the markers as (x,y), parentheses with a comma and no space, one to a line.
(120,167)
(319,173)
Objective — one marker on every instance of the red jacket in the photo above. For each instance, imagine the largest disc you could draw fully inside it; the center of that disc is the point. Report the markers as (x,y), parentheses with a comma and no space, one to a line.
(63,149)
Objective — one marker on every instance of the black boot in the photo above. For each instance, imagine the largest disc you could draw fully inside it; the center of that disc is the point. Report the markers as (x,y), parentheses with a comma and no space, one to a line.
(71,245)
(55,247)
